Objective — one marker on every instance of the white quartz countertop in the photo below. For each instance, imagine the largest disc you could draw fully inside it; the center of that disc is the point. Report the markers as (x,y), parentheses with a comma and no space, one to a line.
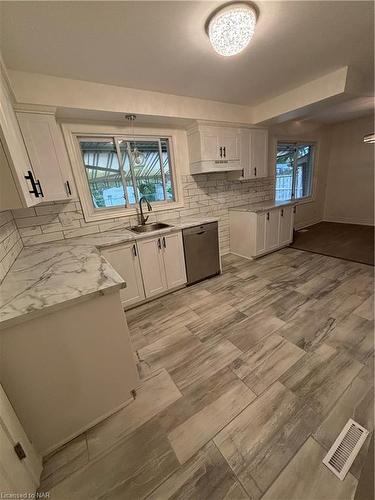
(52,275)
(263,206)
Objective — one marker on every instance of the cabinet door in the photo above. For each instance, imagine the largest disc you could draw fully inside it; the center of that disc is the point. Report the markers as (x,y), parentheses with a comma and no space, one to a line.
(174,260)
(152,265)
(230,142)
(125,260)
(16,475)
(272,230)
(260,245)
(47,153)
(9,195)
(285,225)
(210,146)
(14,147)
(258,153)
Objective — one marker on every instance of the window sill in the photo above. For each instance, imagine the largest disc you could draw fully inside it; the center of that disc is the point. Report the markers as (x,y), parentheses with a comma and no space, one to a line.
(303,201)
(119,212)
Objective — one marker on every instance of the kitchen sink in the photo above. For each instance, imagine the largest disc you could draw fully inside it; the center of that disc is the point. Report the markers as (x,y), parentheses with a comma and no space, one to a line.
(148,228)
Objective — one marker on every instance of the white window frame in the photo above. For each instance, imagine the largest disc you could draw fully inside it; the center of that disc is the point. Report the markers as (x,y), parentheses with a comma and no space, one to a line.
(315,154)
(72,132)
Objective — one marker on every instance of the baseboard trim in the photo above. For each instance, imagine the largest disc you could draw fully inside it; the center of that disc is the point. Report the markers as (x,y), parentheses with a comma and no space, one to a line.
(344,220)
(85,428)
(304,224)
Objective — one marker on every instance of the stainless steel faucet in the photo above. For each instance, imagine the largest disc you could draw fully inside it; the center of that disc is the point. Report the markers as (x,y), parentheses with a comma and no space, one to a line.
(149,207)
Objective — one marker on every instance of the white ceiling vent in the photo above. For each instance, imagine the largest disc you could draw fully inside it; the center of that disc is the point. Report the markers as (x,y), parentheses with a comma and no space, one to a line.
(346,447)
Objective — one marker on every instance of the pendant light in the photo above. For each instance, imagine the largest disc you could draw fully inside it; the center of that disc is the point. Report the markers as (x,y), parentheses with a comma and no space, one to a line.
(231,28)
(136,156)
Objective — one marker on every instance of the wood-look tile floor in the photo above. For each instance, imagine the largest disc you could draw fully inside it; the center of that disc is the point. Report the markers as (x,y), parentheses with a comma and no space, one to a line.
(246,381)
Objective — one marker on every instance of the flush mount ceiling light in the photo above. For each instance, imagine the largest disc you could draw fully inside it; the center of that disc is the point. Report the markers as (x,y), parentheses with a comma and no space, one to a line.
(231,28)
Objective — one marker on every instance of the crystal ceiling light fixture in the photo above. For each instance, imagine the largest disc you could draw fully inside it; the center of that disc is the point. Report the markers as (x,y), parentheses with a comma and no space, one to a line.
(231,28)
(369,138)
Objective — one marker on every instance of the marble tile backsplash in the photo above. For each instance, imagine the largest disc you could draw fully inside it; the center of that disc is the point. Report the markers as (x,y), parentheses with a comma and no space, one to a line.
(209,195)
(10,242)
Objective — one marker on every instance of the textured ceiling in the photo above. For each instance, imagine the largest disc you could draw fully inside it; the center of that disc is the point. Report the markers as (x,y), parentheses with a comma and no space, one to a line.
(162,46)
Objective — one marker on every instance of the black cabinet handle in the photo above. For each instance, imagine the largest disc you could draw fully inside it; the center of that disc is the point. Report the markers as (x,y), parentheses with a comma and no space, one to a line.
(164,243)
(20,452)
(294,209)
(255,171)
(159,244)
(40,188)
(34,190)
(68,188)
(268,216)
(282,212)
(221,152)
(225,152)
(135,251)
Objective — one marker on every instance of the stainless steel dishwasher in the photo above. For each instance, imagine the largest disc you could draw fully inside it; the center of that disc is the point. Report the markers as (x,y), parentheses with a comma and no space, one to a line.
(201,247)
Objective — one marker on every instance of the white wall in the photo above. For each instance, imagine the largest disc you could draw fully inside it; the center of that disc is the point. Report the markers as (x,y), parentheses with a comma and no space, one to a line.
(313,211)
(350,181)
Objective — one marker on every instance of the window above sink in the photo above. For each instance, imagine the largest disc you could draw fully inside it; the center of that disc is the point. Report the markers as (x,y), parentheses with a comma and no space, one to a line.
(114,171)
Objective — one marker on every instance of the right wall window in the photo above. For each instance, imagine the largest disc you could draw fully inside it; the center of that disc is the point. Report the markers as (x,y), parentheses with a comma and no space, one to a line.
(294,170)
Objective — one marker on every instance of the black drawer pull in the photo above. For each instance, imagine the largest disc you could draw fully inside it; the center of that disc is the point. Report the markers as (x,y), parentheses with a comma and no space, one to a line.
(20,452)
(40,188)
(68,188)
(34,190)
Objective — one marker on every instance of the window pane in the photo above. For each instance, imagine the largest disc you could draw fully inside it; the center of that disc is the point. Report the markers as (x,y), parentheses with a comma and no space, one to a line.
(303,185)
(103,172)
(167,168)
(125,165)
(284,171)
(147,173)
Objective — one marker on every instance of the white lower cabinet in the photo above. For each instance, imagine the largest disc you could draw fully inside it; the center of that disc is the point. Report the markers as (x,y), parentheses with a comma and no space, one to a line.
(150,266)
(285,226)
(20,464)
(253,234)
(174,261)
(124,259)
(272,230)
(162,263)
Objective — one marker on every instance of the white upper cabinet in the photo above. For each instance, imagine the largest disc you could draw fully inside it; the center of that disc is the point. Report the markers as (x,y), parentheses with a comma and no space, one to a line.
(214,149)
(48,155)
(15,165)
(34,163)
(254,153)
